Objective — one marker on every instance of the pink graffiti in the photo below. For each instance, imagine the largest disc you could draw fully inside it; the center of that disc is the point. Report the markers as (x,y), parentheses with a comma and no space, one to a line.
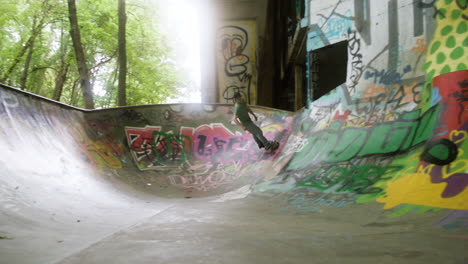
(215,142)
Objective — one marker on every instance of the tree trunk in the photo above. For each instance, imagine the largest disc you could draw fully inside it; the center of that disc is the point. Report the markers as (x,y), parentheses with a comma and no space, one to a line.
(62,73)
(73,95)
(122,55)
(80,56)
(60,81)
(110,84)
(24,76)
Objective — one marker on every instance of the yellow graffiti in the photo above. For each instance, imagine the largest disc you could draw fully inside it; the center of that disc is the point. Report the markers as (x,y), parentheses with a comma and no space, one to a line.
(458,136)
(98,152)
(101,155)
(445,52)
(272,128)
(413,185)
(458,166)
(417,188)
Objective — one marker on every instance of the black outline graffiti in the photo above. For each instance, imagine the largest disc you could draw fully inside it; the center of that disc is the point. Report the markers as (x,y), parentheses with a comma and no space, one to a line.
(132,115)
(461,97)
(235,64)
(231,90)
(451,147)
(354,45)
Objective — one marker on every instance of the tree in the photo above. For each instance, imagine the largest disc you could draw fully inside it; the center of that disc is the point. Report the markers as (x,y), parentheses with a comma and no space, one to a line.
(122,54)
(63,67)
(29,45)
(44,50)
(80,56)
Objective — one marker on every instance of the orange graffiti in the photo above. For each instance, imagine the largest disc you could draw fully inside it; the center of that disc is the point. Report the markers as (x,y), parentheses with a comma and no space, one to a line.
(100,153)
(396,93)
(420,46)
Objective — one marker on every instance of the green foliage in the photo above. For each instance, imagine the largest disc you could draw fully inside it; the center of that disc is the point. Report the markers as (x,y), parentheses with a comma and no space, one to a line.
(41,28)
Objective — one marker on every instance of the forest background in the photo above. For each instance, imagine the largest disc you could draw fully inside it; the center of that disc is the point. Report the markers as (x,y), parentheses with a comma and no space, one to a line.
(88,53)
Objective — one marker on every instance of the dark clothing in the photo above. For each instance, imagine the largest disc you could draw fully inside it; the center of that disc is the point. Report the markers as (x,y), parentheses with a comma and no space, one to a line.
(257,134)
(241,111)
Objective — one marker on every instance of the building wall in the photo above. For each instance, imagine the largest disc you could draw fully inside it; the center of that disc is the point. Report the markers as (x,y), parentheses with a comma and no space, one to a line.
(249,15)
(404,96)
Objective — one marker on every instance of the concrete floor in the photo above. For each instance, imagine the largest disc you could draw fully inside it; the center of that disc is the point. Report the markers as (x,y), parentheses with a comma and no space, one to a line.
(109,223)
(254,230)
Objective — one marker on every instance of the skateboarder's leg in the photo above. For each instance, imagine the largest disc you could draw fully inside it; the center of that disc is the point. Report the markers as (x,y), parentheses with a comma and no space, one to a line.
(259,142)
(258,133)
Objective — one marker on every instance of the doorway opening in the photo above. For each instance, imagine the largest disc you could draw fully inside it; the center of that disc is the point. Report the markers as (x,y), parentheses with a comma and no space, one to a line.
(328,68)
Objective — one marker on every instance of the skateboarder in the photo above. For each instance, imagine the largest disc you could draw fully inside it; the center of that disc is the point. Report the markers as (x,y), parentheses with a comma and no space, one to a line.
(242,119)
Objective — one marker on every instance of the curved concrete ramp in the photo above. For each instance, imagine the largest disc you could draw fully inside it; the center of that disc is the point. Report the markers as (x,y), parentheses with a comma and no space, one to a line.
(183,184)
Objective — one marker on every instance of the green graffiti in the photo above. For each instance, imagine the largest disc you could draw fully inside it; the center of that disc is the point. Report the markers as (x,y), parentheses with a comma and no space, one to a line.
(411,208)
(348,151)
(324,178)
(426,126)
(170,149)
(335,145)
(359,179)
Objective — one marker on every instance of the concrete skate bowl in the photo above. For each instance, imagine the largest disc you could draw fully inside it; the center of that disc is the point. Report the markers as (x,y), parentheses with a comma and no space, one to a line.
(183,184)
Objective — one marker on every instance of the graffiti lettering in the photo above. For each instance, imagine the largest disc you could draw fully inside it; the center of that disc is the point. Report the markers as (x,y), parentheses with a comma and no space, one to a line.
(295,144)
(387,77)
(170,148)
(140,141)
(152,148)
(333,145)
(206,177)
(370,119)
(336,25)
(354,45)
(395,97)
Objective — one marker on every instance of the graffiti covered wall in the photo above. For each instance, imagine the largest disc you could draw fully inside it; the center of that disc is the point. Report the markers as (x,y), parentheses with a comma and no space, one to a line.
(196,148)
(396,131)
(236,48)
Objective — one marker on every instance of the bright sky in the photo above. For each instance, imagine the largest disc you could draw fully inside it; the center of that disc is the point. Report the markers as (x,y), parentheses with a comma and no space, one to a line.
(180,21)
